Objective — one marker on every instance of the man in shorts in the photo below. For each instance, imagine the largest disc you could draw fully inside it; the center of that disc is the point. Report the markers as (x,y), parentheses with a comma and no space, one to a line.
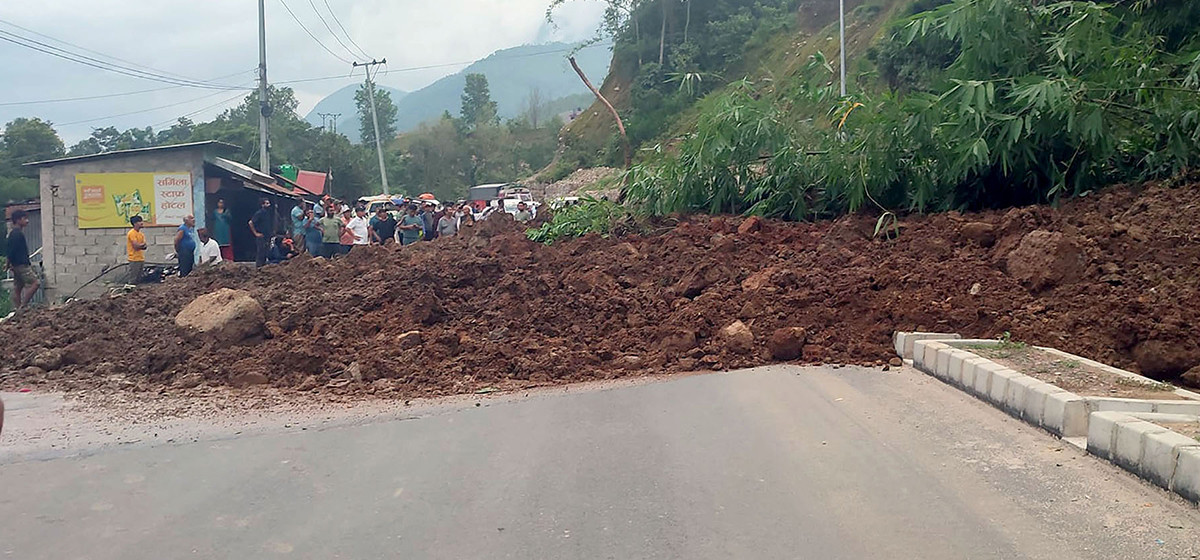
(25,281)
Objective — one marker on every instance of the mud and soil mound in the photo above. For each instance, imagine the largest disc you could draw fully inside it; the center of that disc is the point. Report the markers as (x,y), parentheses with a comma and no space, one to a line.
(490,309)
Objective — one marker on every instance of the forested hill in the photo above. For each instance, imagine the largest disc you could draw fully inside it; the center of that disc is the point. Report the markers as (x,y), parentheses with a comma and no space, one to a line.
(513,75)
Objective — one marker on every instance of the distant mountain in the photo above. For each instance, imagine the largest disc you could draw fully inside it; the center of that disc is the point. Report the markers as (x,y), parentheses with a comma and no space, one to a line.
(342,101)
(511,73)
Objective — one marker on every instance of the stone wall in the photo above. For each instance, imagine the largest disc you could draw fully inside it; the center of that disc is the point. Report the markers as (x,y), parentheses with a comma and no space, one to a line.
(73,256)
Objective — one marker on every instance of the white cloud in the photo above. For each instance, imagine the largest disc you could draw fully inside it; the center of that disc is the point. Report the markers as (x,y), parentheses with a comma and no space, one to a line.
(204,40)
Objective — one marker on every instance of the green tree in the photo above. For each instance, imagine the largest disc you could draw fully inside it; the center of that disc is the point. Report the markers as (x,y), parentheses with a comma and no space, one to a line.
(26,140)
(477,105)
(384,108)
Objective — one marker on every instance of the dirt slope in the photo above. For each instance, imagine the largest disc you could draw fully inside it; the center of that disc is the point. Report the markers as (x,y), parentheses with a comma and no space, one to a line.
(1113,277)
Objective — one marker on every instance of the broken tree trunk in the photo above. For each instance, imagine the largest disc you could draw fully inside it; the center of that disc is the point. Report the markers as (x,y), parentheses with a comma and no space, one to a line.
(611,109)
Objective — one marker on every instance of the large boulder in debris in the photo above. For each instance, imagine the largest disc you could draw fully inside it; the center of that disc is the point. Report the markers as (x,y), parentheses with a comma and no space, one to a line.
(1162,359)
(787,343)
(1045,259)
(229,316)
(1192,377)
(982,233)
(738,337)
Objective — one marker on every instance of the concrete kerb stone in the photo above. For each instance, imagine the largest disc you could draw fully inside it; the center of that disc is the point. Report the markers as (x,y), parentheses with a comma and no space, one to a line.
(1102,432)
(999,387)
(1019,391)
(928,354)
(958,360)
(967,381)
(1160,456)
(1106,404)
(941,368)
(1186,479)
(983,378)
(1034,408)
(905,342)
(1065,414)
(1129,442)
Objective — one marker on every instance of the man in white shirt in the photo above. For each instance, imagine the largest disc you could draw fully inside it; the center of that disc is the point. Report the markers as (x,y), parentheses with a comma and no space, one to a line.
(209,252)
(359,226)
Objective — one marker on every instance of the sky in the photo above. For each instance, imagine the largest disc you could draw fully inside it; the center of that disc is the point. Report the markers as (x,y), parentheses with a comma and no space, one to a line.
(216,42)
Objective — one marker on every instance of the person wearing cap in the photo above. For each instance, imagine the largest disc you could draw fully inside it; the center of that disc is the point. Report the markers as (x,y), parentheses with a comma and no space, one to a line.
(135,249)
(411,226)
(25,281)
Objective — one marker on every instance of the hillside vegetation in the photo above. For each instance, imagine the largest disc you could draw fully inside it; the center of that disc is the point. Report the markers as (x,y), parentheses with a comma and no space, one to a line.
(952,104)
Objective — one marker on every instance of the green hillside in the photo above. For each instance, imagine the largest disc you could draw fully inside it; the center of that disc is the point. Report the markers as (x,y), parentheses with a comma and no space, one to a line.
(952,104)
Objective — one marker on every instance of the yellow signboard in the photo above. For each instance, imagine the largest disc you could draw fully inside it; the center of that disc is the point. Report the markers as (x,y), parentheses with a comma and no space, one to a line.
(109,200)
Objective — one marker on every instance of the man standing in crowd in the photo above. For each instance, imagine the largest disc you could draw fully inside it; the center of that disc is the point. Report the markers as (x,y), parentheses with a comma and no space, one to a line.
(383,227)
(185,245)
(331,234)
(135,249)
(411,227)
(312,233)
(210,252)
(347,239)
(429,227)
(222,229)
(448,224)
(25,281)
(523,214)
(360,227)
(298,215)
(262,225)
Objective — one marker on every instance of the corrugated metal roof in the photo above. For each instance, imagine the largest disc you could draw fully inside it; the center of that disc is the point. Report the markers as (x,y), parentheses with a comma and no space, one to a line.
(224,146)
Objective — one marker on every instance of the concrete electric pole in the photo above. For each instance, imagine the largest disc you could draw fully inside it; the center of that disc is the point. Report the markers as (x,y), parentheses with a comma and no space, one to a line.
(264,107)
(842,33)
(375,119)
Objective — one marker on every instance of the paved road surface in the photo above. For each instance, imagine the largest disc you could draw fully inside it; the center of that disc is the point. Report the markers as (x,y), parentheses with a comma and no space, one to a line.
(778,462)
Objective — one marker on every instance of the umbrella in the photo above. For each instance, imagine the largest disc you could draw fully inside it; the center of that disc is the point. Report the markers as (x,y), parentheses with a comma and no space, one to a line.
(427,196)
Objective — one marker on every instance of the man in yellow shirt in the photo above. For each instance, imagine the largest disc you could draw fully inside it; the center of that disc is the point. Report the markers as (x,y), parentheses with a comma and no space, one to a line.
(135,249)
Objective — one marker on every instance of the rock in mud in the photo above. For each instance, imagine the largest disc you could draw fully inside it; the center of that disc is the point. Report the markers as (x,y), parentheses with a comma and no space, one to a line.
(750,225)
(1046,259)
(229,316)
(982,233)
(787,343)
(49,360)
(410,339)
(243,380)
(1160,359)
(679,341)
(738,337)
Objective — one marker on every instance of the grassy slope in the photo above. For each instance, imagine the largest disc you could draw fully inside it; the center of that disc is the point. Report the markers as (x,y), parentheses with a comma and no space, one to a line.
(785,54)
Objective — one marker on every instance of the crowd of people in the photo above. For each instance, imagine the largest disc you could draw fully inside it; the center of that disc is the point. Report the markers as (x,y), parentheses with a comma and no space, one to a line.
(328,229)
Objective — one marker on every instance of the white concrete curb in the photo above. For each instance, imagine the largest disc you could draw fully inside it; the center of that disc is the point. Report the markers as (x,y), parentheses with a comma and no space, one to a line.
(1116,429)
(1166,458)
(1041,404)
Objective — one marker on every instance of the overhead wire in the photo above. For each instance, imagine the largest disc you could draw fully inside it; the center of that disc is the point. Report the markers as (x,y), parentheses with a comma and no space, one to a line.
(343,28)
(95,52)
(109,95)
(64,54)
(245,90)
(310,34)
(330,29)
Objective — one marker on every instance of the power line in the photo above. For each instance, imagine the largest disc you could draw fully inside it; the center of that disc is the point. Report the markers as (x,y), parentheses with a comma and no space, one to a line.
(152,109)
(100,64)
(330,29)
(197,111)
(108,95)
(343,28)
(314,37)
(435,66)
(130,62)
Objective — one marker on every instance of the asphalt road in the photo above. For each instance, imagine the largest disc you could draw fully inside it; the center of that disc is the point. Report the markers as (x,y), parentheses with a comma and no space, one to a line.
(778,462)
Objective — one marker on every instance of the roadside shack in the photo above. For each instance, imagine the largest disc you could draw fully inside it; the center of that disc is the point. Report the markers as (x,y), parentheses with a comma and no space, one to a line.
(86,203)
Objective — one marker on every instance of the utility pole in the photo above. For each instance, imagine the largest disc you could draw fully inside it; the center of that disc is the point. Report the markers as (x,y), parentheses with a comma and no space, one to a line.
(842,33)
(329,121)
(264,107)
(375,118)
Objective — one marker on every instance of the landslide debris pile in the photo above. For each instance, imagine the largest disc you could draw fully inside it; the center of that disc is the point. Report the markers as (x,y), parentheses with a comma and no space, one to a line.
(1112,276)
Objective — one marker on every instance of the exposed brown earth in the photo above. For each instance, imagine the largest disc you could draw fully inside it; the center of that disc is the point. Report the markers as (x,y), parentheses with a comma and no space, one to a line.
(1114,277)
